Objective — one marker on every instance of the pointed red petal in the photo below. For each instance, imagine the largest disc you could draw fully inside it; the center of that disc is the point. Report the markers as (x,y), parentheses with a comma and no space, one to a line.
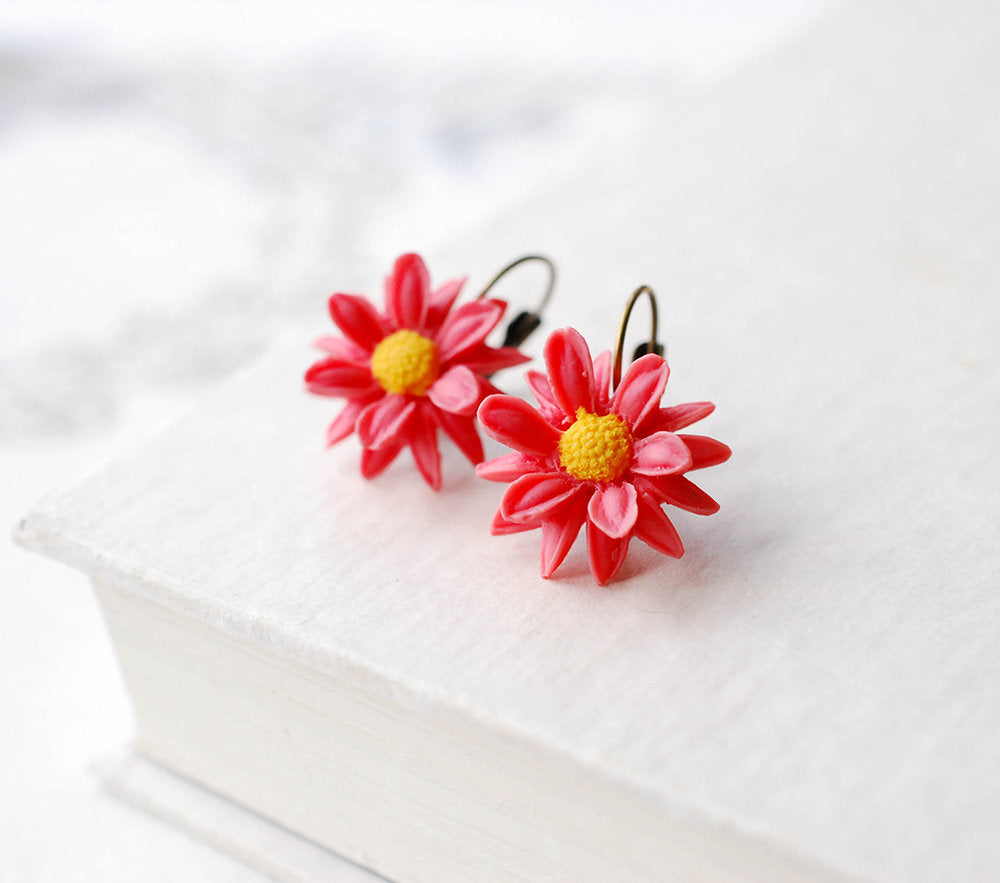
(705,451)
(678,416)
(424,446)
(607,554)
(558,536)
(502,526)
(407,292)
(656,530)
(676,490)
(384,421)
(513,422)
(467,327)
(441,302)
(343,424)
(337,377)
(571,370)
(342,348)
(547,403)
(602,377)
(641,388)
(536,496)
(509,467)
(485,359)
(487,389)
(358,319)
(462,431)
(375,462)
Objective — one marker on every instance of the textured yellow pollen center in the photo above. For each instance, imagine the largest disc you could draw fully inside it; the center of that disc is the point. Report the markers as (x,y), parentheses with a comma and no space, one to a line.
(405,362)
(595,448)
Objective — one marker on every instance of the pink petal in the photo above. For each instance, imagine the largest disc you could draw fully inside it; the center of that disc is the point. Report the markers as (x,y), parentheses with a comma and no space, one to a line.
(513,422)
(677,417)
(383,421)
(547,403)
(441,303)
(602,375)
(337,377)
(485,359)
(509,467)
(534,497)
(456,391)
(641,388)
(502,526)
(661,453)
(424,446)
(558,536)
(705,451)
(676,490)
(462,431)
(343,424)
(613,509)
(358,319)
(341,348)
(467,327)
(407,292)
(333,345)
(607,554)
(571,370)
(375,462)
(656,530)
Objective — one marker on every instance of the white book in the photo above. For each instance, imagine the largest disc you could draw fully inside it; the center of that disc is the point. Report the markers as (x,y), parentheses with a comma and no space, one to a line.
(811,693)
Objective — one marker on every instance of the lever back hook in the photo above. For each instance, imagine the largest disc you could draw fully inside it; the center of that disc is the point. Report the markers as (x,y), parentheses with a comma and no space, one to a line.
(653,346)
(524,323)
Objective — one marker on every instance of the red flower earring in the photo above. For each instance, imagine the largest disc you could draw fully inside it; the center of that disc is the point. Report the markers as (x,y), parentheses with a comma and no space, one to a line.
(416,366)
(607,458)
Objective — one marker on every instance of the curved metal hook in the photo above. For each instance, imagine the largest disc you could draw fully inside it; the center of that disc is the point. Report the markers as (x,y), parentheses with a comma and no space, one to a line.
(517,263)
(525,322)
(643,348)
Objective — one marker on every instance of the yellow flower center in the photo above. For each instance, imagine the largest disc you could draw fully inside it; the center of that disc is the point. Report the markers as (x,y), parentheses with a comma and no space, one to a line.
(405,362)
(596,448)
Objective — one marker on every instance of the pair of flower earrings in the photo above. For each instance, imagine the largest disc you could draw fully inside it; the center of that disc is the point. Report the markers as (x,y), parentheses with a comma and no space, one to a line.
(598,450)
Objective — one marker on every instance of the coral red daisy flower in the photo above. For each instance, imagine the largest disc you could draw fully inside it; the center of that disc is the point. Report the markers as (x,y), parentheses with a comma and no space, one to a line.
(405,372)
(586,457)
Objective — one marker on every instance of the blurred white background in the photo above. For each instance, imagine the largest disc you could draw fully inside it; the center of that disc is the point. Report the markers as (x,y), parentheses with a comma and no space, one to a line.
(182,182)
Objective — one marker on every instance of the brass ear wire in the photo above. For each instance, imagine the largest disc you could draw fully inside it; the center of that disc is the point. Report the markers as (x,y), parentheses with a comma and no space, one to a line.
(653,346)
(524,323)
